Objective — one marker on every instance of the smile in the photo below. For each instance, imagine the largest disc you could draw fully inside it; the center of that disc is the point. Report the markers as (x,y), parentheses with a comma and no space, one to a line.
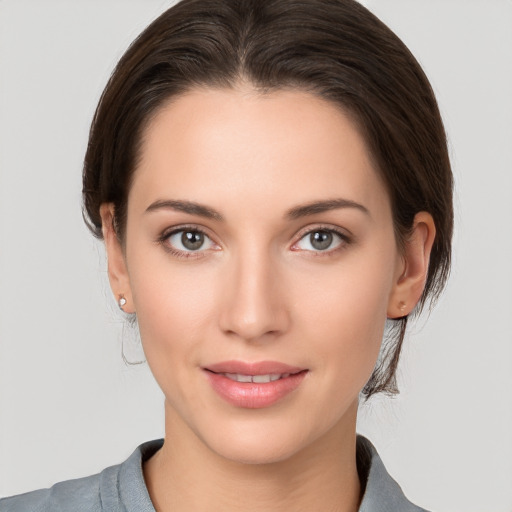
(253,385)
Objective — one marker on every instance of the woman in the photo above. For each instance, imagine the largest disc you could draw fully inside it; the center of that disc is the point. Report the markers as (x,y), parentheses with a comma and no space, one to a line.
(272,184)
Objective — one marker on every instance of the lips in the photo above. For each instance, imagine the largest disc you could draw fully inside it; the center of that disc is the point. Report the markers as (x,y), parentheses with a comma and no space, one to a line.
(254,385)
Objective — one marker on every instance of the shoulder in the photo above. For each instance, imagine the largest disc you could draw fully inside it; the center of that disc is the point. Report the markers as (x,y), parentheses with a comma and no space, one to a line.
(111,490)
(80,495)
(382,493)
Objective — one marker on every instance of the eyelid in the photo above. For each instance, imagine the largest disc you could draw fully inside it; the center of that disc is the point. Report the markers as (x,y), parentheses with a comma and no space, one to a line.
(344,234)
(167,233)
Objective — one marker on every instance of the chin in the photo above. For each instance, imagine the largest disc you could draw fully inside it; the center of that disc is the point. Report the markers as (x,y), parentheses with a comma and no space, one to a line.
(261,442)
(258,453)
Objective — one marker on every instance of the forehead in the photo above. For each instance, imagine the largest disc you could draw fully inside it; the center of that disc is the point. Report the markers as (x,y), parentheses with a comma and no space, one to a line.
(288,144)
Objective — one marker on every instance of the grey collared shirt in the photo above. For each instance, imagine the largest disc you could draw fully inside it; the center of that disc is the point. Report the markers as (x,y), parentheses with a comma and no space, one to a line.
(122,488)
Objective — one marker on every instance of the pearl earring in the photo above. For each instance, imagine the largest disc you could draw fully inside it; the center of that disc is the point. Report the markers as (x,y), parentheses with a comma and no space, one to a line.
(401,306)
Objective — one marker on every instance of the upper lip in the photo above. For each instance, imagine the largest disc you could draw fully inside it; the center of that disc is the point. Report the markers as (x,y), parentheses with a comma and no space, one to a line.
(254,368)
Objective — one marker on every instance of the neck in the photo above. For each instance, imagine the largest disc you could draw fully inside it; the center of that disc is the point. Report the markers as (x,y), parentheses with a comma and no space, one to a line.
(187,475)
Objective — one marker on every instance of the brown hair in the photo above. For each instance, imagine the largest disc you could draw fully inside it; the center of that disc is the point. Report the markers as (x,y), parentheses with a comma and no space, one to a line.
(336,49)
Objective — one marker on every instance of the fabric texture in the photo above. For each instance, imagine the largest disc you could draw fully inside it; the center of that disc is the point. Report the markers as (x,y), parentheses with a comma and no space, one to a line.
(122,488)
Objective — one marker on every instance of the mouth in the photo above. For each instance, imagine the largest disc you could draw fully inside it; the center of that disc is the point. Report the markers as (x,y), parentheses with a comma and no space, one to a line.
(254,385)
(259,379)
(253,369)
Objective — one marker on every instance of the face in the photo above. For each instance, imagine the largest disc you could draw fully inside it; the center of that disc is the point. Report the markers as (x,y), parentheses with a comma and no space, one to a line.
(259,243)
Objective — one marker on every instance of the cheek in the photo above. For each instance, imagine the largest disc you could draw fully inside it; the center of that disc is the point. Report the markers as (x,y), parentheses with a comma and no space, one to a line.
(344,312)
(174,305)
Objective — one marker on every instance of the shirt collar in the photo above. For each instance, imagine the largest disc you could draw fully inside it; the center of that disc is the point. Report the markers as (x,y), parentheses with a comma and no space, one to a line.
(382,493)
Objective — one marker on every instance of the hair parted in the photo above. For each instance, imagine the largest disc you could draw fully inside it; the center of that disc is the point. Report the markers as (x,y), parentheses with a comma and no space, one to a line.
(335,49)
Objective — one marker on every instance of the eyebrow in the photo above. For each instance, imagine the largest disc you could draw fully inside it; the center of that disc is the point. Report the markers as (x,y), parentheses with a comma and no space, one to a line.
(323,206)
(294,213)
(185,206)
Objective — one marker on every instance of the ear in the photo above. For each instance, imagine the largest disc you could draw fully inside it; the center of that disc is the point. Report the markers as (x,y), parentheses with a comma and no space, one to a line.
(411,275)
(117,271)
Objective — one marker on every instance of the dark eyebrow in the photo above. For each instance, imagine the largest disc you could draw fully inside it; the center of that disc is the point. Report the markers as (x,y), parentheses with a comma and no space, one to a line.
(323,206)
(292,214)
(185,206)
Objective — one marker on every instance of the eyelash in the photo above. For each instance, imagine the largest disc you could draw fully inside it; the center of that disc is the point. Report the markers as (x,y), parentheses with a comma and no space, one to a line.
(345,240)
(164,237)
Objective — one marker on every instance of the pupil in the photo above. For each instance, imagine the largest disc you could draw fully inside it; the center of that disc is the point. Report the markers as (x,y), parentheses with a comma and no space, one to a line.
(192,240)
(321,239)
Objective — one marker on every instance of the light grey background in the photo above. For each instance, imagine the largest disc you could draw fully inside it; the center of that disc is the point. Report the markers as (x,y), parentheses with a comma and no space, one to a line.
(68,404)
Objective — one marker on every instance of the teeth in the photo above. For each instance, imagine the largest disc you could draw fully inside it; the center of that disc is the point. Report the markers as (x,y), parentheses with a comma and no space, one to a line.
(262,378)
(259,379)
(238,377)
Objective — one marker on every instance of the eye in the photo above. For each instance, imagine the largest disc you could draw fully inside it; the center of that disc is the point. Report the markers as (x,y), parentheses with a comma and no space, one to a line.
(321,240)
(188,240)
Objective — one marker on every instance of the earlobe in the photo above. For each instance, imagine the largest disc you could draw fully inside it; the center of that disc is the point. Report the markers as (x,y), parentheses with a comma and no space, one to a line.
(410,281)
(117,271)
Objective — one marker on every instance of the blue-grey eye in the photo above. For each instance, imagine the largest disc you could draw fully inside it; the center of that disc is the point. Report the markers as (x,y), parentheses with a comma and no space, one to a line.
(320,240)
(192,240)
(189,240)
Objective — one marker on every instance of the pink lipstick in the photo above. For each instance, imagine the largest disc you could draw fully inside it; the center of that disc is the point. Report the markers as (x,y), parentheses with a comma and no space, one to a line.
(253,385)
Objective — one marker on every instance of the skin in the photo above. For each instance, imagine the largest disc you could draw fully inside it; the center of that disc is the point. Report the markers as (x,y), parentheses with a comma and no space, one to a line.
(259,290)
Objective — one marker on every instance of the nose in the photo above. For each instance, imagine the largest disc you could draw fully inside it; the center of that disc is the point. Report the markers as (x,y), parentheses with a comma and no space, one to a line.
(254,299)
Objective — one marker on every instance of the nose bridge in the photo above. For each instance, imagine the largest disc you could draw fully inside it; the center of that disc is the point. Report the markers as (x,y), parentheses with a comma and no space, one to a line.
(254,305)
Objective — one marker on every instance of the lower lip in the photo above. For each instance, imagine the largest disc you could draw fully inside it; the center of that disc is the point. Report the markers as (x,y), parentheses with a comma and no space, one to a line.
(253,395)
